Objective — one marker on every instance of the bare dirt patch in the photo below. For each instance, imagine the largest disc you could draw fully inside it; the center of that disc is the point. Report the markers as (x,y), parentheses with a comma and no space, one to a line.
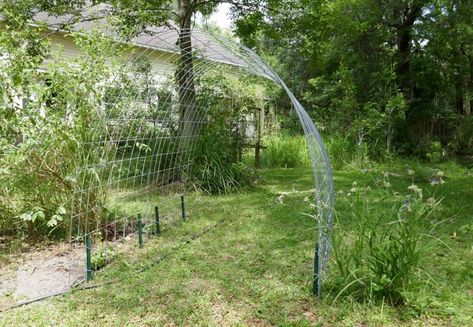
(46,271)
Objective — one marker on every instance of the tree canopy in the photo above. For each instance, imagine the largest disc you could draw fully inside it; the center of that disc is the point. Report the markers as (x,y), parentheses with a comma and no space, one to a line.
(397,69)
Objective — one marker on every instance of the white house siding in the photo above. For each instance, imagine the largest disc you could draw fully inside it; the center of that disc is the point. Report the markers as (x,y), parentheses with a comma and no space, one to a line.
(65,45)
(162,63)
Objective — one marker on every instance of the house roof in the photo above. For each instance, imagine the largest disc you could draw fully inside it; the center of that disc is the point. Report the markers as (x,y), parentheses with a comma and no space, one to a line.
(159,38)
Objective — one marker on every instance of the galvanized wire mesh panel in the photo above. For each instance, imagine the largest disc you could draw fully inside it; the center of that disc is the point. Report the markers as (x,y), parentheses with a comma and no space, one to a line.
(150,126)
(137,133)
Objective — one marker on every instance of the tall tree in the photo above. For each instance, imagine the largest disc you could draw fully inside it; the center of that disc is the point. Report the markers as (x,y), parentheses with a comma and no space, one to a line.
(402,15)
(401,68)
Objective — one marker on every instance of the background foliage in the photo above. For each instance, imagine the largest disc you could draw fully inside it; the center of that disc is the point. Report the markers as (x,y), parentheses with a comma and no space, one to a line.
(394,75)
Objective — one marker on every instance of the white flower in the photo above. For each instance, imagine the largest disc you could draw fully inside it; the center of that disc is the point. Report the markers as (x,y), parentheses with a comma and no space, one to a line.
(431,202)
(440,173)
(416,189)
(437,181)
(306,199)
(410,172)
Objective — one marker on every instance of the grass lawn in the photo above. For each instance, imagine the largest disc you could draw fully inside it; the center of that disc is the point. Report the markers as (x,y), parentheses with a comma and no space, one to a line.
(253,264)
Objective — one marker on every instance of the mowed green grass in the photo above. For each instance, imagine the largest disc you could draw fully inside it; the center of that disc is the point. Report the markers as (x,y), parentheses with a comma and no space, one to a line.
(253,265)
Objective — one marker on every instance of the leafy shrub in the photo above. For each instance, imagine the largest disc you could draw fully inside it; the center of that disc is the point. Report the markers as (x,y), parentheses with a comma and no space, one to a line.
(381,258)
(462,141)
(430,150)
(101,256)
(47,123)
(216,164)
(435,152)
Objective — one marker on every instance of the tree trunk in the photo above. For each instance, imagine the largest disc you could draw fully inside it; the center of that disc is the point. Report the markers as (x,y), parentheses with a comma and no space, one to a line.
(189,117)
(459,83)
(404,41)
(404,17)
(406,84)
(469,108)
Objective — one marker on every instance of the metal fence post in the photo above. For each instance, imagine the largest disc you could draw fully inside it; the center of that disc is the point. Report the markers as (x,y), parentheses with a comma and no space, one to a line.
(315,282)
(158,227)
(183,207)
(140,231)
(88,251)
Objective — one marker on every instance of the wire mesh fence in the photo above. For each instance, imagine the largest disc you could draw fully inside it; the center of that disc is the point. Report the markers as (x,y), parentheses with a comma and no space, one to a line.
(136,140)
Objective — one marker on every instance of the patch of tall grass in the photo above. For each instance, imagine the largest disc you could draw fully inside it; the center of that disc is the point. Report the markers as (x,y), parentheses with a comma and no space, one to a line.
(290,151)
(216,166)
(344,151)
(284,150)
(217,174)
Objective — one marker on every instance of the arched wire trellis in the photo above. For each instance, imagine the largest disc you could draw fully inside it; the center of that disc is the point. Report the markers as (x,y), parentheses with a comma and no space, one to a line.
(145,128)
(147,138)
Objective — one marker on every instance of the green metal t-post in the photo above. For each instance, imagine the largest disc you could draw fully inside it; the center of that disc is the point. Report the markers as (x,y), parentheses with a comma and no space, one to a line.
(183,208)
(315,283)
(88,251)
(158,227)
(140,231)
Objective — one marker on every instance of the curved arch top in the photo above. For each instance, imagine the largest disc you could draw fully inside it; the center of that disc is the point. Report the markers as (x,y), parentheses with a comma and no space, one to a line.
(143,145)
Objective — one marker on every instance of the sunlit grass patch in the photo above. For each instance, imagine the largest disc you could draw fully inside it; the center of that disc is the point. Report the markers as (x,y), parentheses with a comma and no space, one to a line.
(255,267)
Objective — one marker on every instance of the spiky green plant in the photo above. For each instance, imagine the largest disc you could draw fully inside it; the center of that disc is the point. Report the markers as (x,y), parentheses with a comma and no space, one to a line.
(381,257)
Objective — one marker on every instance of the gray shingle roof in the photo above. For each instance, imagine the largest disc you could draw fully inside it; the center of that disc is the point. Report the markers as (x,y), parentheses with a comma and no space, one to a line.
(159,38)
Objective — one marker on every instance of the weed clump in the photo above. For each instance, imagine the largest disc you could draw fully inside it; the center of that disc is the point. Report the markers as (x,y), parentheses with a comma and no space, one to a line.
(380,259)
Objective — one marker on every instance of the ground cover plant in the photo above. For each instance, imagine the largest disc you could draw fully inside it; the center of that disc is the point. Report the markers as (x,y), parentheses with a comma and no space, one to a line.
(254,267)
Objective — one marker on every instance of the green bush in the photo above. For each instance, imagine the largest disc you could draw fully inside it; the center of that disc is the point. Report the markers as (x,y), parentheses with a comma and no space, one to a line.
(102,255)
(462,141)
(216,164)
(46,138)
